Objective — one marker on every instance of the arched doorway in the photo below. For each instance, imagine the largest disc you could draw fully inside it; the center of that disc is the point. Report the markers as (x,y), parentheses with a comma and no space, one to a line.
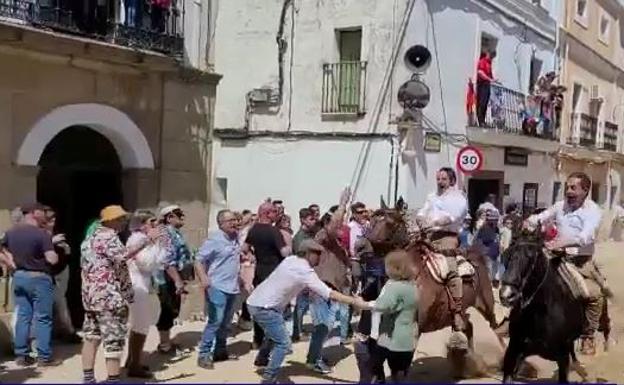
(79,173)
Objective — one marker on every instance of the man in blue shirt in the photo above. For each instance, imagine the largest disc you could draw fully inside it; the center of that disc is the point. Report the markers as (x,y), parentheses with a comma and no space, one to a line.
(218,267)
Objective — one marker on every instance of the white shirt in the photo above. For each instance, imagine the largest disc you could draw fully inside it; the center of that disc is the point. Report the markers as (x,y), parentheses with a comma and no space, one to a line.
(356,232)
(145,263)
(577,227)
(451,207)
(290,277)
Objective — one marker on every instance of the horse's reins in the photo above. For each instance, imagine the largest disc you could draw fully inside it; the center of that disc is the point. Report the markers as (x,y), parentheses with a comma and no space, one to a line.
(537,289)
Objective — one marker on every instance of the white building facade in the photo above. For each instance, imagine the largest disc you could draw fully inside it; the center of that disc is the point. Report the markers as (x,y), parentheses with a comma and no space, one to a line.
(308,101)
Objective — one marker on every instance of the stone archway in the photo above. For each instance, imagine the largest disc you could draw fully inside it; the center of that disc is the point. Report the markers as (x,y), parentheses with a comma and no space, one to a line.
(132,147)
(84,157)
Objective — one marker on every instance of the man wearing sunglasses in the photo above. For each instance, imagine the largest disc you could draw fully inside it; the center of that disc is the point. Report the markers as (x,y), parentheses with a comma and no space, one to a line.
(171,285)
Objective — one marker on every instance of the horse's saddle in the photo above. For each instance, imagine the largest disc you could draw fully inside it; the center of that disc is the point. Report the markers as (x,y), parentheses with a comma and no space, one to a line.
(439,268)
(572,277)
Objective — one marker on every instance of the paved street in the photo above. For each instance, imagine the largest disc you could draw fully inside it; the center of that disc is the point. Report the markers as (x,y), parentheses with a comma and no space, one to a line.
(430,366)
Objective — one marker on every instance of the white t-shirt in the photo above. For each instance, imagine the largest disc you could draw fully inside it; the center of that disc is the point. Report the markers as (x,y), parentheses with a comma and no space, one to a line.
(290,277)
(145,263)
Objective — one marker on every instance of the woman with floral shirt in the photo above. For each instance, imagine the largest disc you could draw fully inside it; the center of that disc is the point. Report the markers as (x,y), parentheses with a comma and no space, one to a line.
(107,291)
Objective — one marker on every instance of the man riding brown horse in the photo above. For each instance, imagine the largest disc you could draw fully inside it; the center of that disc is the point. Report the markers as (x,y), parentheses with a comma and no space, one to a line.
(443,215)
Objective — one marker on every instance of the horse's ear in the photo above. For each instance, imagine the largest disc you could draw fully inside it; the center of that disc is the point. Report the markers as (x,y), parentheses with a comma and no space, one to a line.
(400,204)
(383,204)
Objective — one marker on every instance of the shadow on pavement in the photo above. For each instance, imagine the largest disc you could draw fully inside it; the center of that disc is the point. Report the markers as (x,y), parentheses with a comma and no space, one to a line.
(295,368)
(18,376)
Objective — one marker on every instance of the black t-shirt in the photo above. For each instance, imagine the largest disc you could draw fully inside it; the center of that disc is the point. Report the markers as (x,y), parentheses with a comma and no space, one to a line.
(28,245)
(267,242)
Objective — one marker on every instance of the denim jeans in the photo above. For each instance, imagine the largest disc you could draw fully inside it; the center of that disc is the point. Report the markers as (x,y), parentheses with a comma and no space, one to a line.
(34,300)
(343,315)
(303,303)
(276,339)
(134,13)
(323,317)
(220,313)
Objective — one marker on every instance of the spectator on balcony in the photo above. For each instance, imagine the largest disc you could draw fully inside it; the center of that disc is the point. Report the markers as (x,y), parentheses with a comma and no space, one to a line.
(484,80)
(160,10)
(133,13)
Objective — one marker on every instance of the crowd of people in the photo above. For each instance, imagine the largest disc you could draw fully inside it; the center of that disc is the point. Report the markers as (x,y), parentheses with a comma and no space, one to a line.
(255,265)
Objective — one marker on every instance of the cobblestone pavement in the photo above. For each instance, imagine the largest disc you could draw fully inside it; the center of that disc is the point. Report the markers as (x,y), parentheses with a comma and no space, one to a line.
(430,365)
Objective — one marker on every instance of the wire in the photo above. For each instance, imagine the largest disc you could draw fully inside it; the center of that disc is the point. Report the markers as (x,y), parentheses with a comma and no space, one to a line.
(440,85)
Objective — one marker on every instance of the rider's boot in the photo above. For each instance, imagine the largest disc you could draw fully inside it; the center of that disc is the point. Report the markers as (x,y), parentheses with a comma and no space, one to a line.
(455,285)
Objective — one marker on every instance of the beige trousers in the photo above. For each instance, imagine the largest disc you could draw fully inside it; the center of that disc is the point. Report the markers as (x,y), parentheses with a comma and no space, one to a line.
(595,283)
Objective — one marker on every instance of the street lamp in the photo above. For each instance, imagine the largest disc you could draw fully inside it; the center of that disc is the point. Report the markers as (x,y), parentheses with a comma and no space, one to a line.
(414,94)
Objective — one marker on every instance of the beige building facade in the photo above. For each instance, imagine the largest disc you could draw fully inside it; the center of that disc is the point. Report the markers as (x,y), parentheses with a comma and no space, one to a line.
(592,69)
(86,122)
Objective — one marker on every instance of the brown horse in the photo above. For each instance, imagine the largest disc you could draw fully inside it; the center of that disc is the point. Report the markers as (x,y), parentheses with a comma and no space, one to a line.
(390,231)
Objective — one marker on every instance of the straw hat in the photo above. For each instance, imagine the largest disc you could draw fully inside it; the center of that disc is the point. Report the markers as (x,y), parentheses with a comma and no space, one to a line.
(110,213)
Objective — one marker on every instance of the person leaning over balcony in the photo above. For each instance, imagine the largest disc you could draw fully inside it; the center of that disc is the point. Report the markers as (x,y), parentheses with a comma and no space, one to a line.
(484,80)
(160,10)
(107,291)
(33,285)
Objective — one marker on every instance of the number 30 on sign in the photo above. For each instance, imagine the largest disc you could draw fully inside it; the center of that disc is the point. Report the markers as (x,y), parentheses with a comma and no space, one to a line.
(469,159)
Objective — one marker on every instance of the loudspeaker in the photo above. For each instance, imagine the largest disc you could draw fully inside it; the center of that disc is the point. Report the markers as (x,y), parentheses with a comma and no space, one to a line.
(417,58)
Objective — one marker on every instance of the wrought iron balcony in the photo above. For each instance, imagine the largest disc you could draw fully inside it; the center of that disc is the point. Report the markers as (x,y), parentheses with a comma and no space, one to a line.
(132,23)
(610,136)
(344,88)
(510,111)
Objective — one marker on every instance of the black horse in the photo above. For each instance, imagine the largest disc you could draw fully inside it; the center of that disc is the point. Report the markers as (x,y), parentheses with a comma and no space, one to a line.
(545,319)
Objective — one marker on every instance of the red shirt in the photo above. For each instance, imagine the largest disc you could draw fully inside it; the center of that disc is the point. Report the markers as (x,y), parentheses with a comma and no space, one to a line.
(485,65)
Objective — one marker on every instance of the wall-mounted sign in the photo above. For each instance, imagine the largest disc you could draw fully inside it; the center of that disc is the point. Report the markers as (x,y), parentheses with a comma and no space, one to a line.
(433,142)
(516,156)
(469,160)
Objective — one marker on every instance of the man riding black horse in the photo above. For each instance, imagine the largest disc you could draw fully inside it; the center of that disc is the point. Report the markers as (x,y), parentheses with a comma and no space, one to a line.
(577,219)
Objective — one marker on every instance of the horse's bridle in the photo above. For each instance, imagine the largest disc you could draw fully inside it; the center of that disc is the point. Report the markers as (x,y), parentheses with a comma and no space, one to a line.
(527,302)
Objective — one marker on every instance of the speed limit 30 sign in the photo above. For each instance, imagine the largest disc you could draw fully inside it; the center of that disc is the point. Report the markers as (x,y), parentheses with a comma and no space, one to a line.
(469,159)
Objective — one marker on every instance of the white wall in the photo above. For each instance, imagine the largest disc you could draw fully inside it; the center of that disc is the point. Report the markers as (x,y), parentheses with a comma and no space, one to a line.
(298,172)
(245,52)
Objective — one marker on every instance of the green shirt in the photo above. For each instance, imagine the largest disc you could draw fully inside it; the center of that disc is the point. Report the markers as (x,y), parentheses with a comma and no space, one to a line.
(301,236)
(398,305)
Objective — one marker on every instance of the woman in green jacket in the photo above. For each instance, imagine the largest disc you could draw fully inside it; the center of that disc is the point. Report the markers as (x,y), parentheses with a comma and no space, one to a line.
(398,329)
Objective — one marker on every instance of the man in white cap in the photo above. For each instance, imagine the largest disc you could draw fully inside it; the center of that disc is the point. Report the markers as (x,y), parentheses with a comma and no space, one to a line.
(268,301)
(171,284)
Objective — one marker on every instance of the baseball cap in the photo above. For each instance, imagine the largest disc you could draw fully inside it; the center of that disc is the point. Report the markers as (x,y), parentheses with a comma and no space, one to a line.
(311,245)
(169,210)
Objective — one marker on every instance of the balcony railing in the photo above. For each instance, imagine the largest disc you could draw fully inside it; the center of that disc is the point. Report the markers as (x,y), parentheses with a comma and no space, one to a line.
(514,112)
(344,88)
(155,26)
(584,130)
(610,136)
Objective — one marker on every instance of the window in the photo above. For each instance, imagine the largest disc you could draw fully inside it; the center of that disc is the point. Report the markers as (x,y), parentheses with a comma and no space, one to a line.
(581,13)
(581,9)
(344,81)
(535,70)
(529,197)
(605,28)
(556,191)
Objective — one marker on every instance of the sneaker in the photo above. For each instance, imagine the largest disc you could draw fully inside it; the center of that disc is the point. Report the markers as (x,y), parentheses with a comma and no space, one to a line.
(205,362)
(260,363)
(219,357)
(24,361)
(268,380)
(320,367)
(42,362)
